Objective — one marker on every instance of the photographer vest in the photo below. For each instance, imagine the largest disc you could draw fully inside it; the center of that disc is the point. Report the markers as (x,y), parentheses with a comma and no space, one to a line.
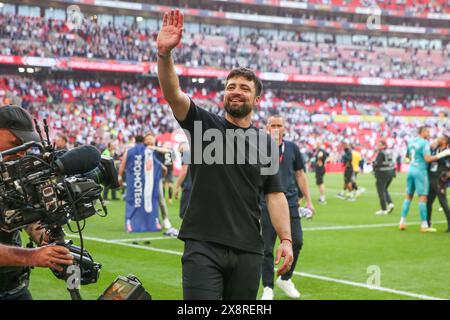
(437,167)
(388,164)
(12,277)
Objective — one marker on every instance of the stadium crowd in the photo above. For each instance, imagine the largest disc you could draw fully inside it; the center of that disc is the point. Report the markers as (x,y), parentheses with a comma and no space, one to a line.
(295,53)
(98,112)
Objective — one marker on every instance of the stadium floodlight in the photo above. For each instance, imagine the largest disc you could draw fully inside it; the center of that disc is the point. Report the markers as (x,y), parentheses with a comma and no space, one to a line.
(30,70)
(139,19)
(21,70)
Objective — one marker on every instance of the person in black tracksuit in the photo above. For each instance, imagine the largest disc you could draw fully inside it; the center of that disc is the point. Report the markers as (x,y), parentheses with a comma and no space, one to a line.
(384,169)
(438,177)
(292,174)
(347,193)
(321,157)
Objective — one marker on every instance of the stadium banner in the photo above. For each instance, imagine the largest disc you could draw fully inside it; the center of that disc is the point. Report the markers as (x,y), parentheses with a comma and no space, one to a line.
(419,119)
(350,8)
(357,118)
(323,79)
(104,65)
(4,59)
(418,83)
(143,174)
(107,65)
(321,118)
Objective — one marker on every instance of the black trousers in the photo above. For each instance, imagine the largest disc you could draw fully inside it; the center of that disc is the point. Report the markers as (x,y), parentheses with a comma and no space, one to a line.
(212,272)
(354,184)
(106,192)
(320,173)
(383,180)
(269,236)
(441,194)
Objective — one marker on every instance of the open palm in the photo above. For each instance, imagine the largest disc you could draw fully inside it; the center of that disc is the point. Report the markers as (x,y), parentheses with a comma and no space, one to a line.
(170,34)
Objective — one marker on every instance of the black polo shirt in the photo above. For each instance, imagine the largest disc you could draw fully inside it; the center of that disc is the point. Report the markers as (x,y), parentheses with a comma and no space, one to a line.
(291,160)
(224,204)
(347,159)
(185,160)
(436,168)
(321,155)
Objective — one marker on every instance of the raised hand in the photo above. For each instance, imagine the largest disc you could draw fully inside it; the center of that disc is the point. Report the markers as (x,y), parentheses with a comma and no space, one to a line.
(170,34)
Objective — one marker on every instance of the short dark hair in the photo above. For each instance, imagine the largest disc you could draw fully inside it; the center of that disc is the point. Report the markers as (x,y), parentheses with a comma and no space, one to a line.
(249,75)
(447,139)
(63,136)
(148,134)
(422,128)
(139,139)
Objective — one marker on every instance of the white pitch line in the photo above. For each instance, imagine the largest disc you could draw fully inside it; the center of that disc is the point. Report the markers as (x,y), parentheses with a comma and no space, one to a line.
(143,239)
(364,285)
(349,227)
(127,245)
(307,275)
(370,191)
(364,226)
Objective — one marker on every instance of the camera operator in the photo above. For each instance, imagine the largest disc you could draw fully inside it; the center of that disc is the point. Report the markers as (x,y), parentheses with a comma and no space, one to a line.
(16,128)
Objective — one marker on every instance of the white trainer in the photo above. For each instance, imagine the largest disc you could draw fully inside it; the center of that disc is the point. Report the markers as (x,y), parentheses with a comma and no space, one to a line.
(267,294)
(381,213)
(288,287)
(167,224)
(390,207)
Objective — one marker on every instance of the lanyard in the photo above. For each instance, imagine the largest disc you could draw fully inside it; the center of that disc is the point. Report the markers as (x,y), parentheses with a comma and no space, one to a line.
(282,152)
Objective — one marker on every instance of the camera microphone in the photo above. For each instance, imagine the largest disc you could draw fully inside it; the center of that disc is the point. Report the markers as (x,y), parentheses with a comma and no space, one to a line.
(79,160)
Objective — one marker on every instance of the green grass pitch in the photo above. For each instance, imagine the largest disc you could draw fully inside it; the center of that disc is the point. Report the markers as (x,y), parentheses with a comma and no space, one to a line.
(341,243)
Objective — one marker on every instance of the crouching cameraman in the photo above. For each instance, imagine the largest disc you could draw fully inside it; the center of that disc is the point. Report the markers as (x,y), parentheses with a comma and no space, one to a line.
(16,128)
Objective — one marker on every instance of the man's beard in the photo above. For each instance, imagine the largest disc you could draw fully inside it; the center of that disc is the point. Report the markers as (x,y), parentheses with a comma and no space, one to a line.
(238,112)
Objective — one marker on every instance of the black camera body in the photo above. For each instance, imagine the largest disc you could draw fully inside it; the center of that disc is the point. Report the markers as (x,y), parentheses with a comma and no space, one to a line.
(55,187)
(35,188)
(89,269)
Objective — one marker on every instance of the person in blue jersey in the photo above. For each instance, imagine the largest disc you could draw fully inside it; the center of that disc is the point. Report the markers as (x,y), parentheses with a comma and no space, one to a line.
(419,153)
(144,172)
